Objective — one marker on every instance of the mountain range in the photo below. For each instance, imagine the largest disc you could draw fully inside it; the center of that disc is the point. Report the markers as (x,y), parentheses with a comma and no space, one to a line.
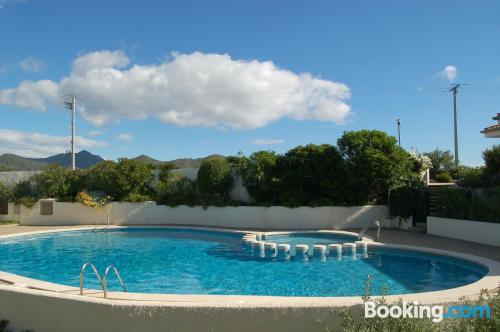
(84,159)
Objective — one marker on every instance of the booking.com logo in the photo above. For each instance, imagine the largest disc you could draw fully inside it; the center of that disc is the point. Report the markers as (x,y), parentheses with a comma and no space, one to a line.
(436,312)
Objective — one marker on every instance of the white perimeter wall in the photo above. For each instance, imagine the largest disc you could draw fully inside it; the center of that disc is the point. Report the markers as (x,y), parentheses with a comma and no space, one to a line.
(473,231)
(246,217)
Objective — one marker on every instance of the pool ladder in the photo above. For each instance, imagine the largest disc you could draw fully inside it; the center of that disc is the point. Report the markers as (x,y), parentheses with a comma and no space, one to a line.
(363,231)
(104,280)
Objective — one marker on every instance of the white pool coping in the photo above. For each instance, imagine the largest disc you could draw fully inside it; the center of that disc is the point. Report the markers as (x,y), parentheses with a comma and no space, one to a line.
(11,282)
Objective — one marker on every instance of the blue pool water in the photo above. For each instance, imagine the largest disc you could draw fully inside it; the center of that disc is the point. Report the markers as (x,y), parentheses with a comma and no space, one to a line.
(189,261)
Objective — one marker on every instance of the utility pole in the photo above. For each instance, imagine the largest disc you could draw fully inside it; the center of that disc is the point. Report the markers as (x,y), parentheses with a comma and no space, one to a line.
(71,105)
(398,121)
(454,88)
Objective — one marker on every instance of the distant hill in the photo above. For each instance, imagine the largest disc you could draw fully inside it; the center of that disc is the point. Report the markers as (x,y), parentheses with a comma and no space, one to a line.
(148,160)
(84,159)
(179,163)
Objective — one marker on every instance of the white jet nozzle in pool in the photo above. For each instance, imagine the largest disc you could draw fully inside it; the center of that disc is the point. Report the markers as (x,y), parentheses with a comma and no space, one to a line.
(319,250)
(351,247)
(261,249)
(301,251)
(363,245)
(284,250)
(271,248)
(335,249)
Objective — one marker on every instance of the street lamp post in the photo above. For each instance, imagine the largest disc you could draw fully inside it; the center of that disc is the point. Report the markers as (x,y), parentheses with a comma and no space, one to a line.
(398,121)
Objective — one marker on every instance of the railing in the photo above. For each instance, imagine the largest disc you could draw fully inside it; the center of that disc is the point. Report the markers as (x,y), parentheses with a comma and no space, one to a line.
(95,272)
(105,279)
(363,231)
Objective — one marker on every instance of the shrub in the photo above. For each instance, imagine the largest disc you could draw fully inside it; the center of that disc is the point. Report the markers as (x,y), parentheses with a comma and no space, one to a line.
(165,177)
(442,161)
(467,204)
(215,180)
(4,192)
(121,179)
(352,323)
(491,158)
(402,202)
(4,326)
(444,177)
(374,163)
(258,173)
(24,193)
(311,175)
(181,191)
(59,182)
(473,177)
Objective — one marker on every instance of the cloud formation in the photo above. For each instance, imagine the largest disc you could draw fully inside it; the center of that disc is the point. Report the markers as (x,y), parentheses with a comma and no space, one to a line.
(198,89)
(4,3)
(268,141)
(32,65)
(33,144)
(126,137)
(449,72)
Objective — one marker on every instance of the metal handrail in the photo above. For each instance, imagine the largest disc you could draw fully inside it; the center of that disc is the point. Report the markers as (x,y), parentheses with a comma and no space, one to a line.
(105,280)
(363,231)
(95,272)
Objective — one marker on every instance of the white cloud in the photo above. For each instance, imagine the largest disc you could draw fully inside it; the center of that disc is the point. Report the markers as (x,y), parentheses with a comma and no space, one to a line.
(268,141)
(94,133)
(4,3)
(33,144)
(32,65)
(449,72)
(198,89)
(126,137)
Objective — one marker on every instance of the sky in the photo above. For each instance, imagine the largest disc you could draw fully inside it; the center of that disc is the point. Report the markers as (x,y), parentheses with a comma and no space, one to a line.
(173,79)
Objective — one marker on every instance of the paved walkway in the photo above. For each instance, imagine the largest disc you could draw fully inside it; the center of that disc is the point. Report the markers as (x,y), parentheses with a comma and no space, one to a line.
(424,240)
(386,235)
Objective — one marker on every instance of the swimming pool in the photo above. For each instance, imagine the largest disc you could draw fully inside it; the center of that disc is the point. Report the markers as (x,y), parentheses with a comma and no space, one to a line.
(194,261)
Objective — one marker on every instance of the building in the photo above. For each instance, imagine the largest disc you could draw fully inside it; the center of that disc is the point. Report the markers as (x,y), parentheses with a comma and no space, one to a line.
(493,131)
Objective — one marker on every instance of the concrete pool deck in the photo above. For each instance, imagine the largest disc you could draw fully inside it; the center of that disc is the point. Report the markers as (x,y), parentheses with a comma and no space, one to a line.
(42,306)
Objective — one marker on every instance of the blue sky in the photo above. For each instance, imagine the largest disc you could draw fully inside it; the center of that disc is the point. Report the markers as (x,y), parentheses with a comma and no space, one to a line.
(336,66)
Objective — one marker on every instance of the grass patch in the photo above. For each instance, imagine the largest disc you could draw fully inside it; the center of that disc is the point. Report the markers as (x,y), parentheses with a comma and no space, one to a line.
(7,222)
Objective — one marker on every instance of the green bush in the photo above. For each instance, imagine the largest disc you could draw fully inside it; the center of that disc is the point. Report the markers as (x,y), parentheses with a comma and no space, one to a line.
(472,177)
(215,181)
(471,205)
(402,202)
(121,180)
(311,175)
(358,323)
(443,177)
(23,193)
(4,326)
(374,163)
(442,161)
(59,182)
(491,158)
(181,191)
(259,175)
(4,192)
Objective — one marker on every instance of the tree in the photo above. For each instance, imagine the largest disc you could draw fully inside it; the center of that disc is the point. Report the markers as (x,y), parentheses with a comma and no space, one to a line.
(311,175)
(59,182)
(442,162)
(258,174)
(491,158)
(374,164)
(215,180)
(127,179)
